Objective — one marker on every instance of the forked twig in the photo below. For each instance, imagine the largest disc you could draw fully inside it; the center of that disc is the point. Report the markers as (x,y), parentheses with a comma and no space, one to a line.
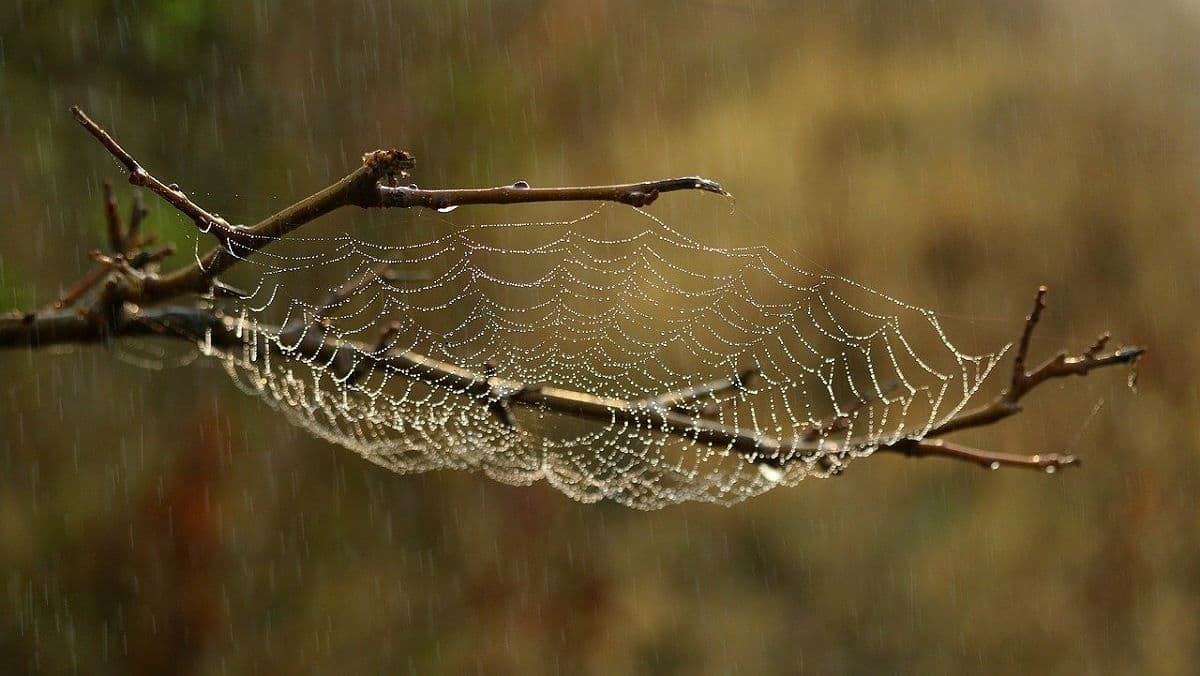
(364,187)
(1008,403)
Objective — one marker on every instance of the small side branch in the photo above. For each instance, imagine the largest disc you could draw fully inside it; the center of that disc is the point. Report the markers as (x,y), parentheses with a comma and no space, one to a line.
(117,238)
(337,297)
(140,177)
(80,288)
(679,400)
(929,448)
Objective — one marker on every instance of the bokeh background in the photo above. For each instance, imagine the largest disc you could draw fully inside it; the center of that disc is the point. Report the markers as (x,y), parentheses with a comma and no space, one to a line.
(953,153)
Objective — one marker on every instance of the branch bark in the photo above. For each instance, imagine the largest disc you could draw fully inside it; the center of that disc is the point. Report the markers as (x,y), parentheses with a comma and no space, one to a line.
(361,188)
(131,303)
(195,324)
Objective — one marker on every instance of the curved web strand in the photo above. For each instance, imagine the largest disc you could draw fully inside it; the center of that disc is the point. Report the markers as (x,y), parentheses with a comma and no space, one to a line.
(616,304)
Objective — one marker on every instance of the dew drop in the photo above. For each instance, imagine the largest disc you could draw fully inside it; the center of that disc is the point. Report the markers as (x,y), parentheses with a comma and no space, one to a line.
(446,210)
(994,466)
(521,185)
(1050,469)
(770,473)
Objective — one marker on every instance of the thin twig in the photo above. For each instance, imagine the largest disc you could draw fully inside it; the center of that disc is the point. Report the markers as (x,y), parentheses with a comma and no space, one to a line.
(1031,322)
(137,214)
(72,295)
(142,258)
(633,194)
(140,177)
(1047,462)
(840,422)
(345,292)
(117,239)
(681,398)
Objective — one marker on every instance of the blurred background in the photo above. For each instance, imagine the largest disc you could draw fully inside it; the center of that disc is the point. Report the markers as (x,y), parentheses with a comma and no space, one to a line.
(952,153)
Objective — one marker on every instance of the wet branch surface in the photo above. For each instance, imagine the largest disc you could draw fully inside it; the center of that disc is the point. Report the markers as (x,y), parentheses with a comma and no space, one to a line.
(125,296)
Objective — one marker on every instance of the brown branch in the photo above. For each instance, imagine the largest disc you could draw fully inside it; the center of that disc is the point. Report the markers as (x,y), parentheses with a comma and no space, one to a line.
(678,400)
(140,177)
(345,292)
(1008,403)
(117,238)
(348,358)
(124,308)
(137,214)
(928,448)
(89,281)
(840,422)
(361,188)
(1031,322)
(633,194)
(141,259)
(354,360)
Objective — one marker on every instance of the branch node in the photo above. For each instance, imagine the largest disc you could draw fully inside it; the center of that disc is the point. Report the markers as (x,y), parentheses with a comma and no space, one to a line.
(1097,347)
(639,198)
(391,164)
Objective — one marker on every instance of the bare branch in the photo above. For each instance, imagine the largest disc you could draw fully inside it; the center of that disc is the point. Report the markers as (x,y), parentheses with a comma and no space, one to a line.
(355,359)
(137,214)
(346,291)
(194,323)
(141,259)
(140,177)
(633,194)
(927,448)
(89,281)
(125,307)
(360,188)
(840,422)
(117,239)
(1031,322)
(1008,403)
(681,398)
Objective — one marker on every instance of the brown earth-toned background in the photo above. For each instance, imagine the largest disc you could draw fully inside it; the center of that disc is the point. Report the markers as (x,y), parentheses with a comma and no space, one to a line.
(954,154)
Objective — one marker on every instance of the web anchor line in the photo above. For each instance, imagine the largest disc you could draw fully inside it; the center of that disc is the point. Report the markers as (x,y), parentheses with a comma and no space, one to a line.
(604,360)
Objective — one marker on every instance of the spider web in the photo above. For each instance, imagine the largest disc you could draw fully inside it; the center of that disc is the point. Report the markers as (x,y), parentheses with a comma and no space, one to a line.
(615,304)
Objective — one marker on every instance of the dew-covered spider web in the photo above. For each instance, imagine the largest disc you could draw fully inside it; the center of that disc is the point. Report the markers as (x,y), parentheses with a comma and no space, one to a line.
(471,346)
